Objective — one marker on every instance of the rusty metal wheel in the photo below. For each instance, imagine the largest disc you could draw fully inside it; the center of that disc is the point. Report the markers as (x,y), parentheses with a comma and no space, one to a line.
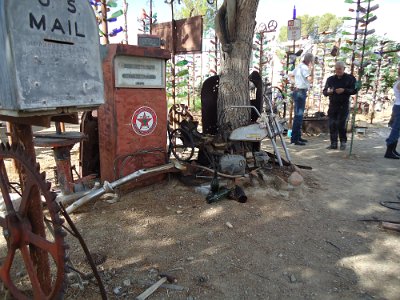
(33,262)
(182,145)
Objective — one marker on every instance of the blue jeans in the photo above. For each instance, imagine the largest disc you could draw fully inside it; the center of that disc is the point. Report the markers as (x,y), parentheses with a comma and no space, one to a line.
(394,134)
(299,100)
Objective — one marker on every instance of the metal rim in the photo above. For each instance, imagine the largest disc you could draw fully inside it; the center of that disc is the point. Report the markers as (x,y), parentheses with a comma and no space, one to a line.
(18,233)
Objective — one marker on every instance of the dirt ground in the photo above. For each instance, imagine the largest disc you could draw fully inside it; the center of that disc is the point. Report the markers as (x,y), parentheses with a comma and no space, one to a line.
(306,243)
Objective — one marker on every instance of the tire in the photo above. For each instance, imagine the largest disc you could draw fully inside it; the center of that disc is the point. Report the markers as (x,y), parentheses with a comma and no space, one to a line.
(182,145)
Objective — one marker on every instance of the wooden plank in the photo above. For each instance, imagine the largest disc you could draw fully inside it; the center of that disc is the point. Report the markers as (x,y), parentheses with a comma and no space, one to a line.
(391,226)
(151,289)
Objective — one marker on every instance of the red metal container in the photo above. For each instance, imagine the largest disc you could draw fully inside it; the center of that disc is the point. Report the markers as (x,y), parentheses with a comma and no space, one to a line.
(133,120)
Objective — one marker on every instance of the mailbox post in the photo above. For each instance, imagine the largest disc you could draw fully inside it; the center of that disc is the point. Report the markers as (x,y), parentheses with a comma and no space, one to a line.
(133,121)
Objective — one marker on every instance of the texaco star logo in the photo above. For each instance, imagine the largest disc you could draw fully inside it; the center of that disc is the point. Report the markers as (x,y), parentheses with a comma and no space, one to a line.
(144,120)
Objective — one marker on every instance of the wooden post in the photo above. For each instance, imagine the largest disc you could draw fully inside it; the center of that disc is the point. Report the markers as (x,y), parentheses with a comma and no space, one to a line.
(104,24)
(126,20)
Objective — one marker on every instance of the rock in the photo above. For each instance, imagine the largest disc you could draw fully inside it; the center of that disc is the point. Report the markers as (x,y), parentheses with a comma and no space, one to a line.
(298,170)
(229,225)
(127,282)
(292,278)
(202,190)
(108,196)
(243,181)
(202,279)
(279,183)
(190,258)
(20,274)
(272,192)
(113,200)
(117,291)
(267,178)
(295,179)
(280,255)
(255,181)
(284,195)
(179,212)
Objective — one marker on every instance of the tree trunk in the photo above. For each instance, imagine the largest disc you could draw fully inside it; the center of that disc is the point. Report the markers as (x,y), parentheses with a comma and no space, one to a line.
(233,86)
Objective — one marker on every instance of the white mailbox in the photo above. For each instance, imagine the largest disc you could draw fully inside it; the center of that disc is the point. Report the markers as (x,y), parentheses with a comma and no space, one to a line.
(49,57)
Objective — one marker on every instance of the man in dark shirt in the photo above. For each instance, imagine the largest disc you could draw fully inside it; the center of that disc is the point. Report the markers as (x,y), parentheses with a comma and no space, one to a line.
(339,88)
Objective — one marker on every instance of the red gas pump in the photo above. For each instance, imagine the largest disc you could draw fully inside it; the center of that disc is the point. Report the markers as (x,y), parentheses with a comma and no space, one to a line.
(133,120)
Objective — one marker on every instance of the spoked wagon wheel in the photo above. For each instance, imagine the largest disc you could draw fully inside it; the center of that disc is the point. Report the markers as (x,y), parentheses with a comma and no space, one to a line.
(182,145)
(21,246)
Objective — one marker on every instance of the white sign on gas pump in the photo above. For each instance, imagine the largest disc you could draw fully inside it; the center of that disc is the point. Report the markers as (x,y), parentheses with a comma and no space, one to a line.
(294,30)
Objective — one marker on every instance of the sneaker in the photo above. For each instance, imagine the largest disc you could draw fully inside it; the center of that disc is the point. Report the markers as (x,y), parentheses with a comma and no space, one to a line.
(303,140)
(332,147)
(299,143)
(342,146)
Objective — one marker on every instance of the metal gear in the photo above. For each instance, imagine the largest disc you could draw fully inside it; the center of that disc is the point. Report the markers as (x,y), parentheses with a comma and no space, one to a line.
(22,242)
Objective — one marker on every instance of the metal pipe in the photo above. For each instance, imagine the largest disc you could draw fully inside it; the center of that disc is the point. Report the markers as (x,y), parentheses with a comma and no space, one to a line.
(108,187)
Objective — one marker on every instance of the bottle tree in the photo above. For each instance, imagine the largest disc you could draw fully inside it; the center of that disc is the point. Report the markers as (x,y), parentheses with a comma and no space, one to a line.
(361,49)
(326,56)
(107,14)
(262,52)
(386,62)
(146,21)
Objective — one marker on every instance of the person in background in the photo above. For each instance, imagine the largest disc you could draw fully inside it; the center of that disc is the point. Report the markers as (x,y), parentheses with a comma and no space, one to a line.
(391,141)
(339,88)
(302,76)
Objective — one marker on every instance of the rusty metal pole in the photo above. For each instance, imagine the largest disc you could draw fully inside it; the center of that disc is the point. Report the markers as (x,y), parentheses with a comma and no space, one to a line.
(216,43)
(194,81)
(291,107)
(173,30)
(377,81)
(286,89)
(188,88)
(151,16)
(322,77)
(261,53)
(353,55)
(22,134)
(360,75)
